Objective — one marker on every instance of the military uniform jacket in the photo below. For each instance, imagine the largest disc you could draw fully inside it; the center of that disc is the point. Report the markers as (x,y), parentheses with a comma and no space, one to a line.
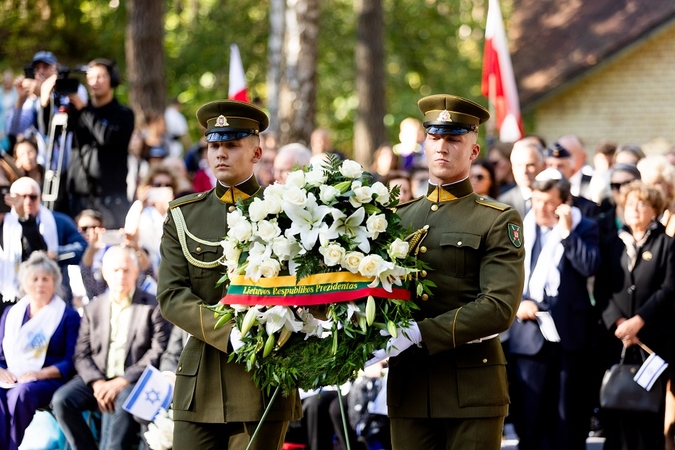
(208,388)
(474,247)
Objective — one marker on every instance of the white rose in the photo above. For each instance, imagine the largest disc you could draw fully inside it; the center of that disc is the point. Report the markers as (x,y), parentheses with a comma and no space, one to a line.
(316,177)
(295,178)
(376,224)
(332,254)
(398,249)
(328,193)
(282,247)
(234,217)
(274,190)
(258,251)
(241,231)
(257,210)
(267,230)
(362,194)
(350,169)
(295,196)
(230,250)
(382,193)
(270,268)
(351,261)
(372,266)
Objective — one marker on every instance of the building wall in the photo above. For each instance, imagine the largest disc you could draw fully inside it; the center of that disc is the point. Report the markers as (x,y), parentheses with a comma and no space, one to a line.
(629,100)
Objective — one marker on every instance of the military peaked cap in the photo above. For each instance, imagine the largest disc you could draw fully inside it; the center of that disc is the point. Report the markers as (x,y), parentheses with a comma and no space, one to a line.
(231,120)
(448,114)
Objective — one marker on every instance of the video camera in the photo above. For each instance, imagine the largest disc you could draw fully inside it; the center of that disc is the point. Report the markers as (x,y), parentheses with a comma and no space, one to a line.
(64,85)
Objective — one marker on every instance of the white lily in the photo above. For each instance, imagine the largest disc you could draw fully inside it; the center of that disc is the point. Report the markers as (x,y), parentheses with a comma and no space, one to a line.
(353,309)
(256,258)
(392,275)
(307,220)
(277,317)
(351,227)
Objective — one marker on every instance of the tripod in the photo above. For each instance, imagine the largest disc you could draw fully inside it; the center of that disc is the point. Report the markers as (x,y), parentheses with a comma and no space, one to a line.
(52,181)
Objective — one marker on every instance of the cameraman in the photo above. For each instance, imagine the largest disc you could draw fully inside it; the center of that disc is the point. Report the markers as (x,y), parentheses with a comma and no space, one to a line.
(34,98)
(98,162)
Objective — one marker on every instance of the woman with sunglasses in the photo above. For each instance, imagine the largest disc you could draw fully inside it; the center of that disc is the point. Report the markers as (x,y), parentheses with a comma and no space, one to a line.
(483,178)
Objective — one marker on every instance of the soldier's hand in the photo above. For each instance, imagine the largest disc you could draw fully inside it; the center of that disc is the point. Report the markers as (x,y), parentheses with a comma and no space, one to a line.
(527,310)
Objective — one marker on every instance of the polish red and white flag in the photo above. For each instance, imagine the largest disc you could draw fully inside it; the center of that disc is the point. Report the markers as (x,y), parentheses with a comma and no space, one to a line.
(237,88)
(498,83)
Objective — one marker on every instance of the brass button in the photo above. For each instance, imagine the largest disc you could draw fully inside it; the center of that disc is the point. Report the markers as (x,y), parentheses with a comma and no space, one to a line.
(198,249)
(484,360)
(423,249)
(434,207)
(482,198)
(423,273)
(425,297)
(180,368)
(459,243)
(231,208)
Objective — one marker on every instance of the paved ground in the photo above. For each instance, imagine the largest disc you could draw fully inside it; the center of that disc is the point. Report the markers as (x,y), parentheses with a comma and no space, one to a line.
(511,440)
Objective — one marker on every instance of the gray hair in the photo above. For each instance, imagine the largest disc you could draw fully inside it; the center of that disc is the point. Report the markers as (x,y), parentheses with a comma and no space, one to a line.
(39,261)
(299,153)
(115,251)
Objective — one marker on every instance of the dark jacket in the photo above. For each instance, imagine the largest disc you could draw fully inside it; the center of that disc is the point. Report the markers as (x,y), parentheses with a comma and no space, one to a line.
(146,340)
(98,160)
(571,310)
(648,290)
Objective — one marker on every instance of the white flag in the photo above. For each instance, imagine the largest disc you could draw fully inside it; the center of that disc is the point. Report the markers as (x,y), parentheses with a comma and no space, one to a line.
(151,393)
(650,371)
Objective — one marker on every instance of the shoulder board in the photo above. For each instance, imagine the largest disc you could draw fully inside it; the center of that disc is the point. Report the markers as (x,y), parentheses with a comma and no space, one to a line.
(487,201)
(406,203)
(190,198)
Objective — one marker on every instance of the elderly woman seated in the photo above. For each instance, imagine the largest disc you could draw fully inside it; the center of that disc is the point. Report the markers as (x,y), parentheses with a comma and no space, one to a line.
(37,343)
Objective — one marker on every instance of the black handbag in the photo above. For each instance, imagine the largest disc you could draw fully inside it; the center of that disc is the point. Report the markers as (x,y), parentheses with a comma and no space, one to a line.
(620,391)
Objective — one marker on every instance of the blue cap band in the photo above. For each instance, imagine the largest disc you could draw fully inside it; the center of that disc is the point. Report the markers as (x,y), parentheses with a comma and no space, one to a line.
(223,136)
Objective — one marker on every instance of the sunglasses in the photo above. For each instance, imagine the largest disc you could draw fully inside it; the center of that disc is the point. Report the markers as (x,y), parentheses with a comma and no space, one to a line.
(32,197)
(617,186)
(161,185)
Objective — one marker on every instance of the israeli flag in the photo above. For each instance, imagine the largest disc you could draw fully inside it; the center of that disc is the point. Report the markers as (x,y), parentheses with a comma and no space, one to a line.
(152,392)
(650,371)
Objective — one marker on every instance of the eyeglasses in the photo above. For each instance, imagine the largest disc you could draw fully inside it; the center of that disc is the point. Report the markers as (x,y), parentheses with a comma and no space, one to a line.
(158,184)
(479,177)
(617,186)
(85,229)
(32,197)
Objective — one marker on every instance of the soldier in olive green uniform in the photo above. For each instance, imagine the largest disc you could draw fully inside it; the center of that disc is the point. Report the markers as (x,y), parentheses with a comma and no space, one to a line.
(450,390)
(216,404)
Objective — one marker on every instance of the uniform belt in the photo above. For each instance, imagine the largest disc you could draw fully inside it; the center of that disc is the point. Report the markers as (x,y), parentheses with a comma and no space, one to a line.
(486,338)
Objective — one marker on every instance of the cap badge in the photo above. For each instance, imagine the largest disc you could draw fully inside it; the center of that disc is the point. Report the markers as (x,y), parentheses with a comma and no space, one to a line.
(221,121)
(445,116)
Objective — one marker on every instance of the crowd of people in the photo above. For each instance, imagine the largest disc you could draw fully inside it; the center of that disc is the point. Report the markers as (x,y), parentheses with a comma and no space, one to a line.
(81,229)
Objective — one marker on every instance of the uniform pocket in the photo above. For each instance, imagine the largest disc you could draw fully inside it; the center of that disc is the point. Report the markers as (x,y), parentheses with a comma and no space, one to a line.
(481,374)
(461,252)
(206,254)
(186,379)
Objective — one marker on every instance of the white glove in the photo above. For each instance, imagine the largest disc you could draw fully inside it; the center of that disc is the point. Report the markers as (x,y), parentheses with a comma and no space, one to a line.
(406,337)
(235,339)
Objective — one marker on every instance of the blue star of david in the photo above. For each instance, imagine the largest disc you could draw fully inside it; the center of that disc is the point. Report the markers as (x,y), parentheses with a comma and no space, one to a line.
(152,396)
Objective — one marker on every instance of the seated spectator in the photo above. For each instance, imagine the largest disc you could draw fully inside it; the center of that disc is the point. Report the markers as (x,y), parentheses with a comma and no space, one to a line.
(146,216)
(107,364)
(25,153)
(32,369)
(264,170)
(25,229)
(289,157)
(402,180)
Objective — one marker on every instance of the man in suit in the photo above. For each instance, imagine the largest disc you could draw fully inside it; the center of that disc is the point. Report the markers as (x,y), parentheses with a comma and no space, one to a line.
(527,161)
(447,387)
(560,158)
(216,404)
(580,179)
(122,331)
(552,334)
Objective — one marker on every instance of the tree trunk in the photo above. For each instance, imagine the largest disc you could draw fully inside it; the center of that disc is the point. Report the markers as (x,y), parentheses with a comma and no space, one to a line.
(275,53)
(298,93)
(144,46)
(369,129)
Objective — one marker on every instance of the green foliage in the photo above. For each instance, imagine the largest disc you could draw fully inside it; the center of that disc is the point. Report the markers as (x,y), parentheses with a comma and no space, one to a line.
(431,46)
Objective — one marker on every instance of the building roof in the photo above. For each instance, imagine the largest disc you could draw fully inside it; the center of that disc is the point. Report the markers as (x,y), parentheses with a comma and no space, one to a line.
(553,42)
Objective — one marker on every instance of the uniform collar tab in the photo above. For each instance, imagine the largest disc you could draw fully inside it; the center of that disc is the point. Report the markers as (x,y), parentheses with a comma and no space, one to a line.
(449,192)
(242,191)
